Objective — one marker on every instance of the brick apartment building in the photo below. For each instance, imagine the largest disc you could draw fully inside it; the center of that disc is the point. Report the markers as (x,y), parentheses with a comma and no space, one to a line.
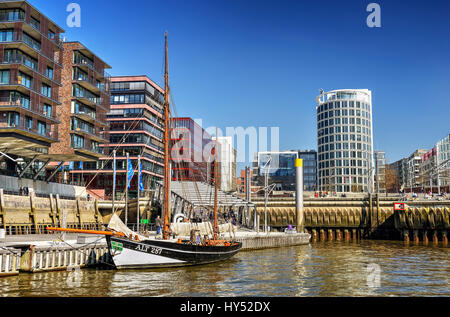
(85,97)
(30,80)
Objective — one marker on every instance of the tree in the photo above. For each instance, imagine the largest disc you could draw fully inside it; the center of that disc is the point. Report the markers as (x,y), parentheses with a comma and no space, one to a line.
(392,180)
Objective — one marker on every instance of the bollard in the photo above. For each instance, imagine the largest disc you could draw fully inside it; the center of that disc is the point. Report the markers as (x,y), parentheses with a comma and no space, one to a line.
(322,235)
(347,235)
(299,194)
(406,236)
(354,237)
(435,237)
(338,235)
(425,237)
(330,235)
(314,235)
(416,236)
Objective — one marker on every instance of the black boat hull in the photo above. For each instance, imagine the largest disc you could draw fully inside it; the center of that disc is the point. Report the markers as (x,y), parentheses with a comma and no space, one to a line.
(127,254)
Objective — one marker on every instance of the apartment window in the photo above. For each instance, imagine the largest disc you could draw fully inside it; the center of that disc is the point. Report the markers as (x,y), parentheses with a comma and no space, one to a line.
(51,35)
(28,123)
(17,56)
(47,110)
(31,41)
(17,98)
(13,119)
(25,80)
(79,58)
(4,77)
(41,128)
(46,90)
(77,141)
(78,74)
(49,72)
(12,15)
(35,23)
(6,35)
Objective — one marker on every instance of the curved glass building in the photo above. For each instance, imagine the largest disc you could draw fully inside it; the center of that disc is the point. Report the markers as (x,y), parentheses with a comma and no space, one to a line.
(345,140)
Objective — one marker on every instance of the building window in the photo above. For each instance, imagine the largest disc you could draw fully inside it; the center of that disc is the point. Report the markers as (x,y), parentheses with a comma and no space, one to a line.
(6,35)
(29,123)
(35,23)
(47,110)
(51,35)
(13,119)
(16,98)
(77,141)
(12,15)
(46,90)
(25,80)
(4,77)
(49,72)
(41,128)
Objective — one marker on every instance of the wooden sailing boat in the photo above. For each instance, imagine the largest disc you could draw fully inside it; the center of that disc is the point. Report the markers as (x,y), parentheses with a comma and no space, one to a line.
(131,250)
(134,251)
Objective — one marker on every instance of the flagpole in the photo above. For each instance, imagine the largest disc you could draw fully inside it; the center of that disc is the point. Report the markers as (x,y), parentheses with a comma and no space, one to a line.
(126,192)
(114,181)
(138,192)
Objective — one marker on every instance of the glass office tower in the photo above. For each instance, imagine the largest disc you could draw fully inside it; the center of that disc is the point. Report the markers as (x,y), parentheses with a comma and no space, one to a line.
(345,140)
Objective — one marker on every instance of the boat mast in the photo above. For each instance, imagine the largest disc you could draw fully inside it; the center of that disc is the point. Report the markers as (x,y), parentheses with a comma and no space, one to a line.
(216,181)
(166,147)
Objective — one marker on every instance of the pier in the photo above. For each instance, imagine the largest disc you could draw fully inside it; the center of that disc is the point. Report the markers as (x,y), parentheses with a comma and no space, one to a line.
(361,218)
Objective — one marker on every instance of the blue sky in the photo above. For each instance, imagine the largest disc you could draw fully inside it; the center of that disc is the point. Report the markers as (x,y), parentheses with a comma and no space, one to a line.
(261,63)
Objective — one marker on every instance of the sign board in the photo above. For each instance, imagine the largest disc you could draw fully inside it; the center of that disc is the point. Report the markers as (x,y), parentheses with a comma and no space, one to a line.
(400,207)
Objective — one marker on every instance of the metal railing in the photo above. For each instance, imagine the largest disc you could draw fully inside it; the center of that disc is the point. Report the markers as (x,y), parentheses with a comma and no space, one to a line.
(23,125)
(25,61)
(32,107)
(98,150)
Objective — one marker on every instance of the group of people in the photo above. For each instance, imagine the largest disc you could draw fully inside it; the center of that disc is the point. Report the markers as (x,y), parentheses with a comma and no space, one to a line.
(24,191)
(325,194)
(227,217)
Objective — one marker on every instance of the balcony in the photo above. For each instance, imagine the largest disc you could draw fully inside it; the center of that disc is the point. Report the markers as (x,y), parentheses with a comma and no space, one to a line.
(32,65)
(25,88)
(94,134)
(91,117)
(90,83)
(85,62)
(8,104)
(31,46)
(42,133)
(89,149)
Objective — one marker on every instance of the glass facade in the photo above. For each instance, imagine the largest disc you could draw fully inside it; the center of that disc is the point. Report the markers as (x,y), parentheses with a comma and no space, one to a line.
(344,139)
(281,169)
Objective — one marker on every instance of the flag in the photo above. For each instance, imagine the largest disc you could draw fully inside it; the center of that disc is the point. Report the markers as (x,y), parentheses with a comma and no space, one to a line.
(141,186)
(130,173)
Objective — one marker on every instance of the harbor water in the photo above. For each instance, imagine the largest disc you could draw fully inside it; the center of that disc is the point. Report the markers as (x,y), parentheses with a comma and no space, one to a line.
(363,268)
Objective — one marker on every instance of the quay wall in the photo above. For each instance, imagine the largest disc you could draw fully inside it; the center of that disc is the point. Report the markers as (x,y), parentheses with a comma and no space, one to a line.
(271,240)
(31,214)
(344,219)
(56,258)
(9,261)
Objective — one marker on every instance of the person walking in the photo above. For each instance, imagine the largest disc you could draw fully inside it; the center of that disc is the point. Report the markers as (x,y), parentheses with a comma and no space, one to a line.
(158,223)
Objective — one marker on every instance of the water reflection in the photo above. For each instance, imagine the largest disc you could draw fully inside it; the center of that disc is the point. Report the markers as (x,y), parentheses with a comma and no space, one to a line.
(320,269)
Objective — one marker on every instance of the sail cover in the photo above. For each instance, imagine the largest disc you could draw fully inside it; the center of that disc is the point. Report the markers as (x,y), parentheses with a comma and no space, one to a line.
(117,225)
